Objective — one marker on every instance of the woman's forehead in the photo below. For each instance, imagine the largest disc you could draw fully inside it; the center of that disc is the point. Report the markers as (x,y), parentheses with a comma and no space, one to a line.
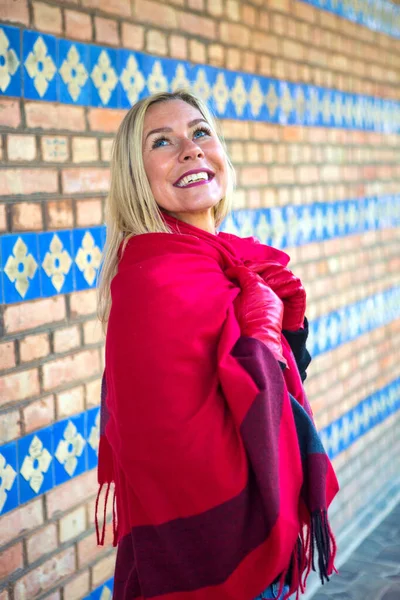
(169,112)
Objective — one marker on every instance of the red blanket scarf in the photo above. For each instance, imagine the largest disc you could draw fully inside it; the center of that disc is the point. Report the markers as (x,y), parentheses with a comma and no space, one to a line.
(221,482)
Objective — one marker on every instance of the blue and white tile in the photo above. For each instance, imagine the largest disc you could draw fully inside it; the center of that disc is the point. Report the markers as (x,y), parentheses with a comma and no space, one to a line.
(103,592)
(40,66)
(103,75)
(8,478)
(10,61)
(132,82)
(74,73)
(20,266)
(154,74)
(92,436)
(35,456)
(69,448)
(272,100)
(201,83)
(257,109)
(56,261)
(87,249)
(179,74)
(287,106)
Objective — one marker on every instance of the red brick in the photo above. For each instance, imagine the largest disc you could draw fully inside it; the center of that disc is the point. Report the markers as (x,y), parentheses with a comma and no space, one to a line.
(27,517)
(70,494)
(42,542)
(21,147)
(11,560)
(54,148)
(106,30)
(10,426)
(16,12)
(232,33)
(4,595)
(45,115)
(281,174)
(88,550)
(178,47)
(7,355)
(215,7)
(71,368)
(46,576)
(34,347)
(233,59)
(26,216)
(236,129)
(106,145)
(18,386)
(80,585)
(73,524)
(28,315)
(216,55)
(196,4)
(47,18)
(10,114)
(103,569)
(156,13)
(116,7)
(254,176)
(233,10)
(89,212)
(59,214)
(305,11)
(38,414)
(81,180)
(197,51)
(3,217)
(70,402)
(66,339)
(83,303)
(78,25)
(280,5)
(84,149)
(249,15)
(28,181)
(105,119)
(156,42)
(93,391)
(132,36)
(92,332)
(197,26)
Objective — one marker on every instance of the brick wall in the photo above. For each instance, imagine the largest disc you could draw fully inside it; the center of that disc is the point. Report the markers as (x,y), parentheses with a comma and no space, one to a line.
(322,185)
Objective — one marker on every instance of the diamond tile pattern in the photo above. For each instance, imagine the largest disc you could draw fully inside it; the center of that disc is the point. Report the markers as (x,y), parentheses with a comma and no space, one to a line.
(75,73)
(50,263)
(379,15)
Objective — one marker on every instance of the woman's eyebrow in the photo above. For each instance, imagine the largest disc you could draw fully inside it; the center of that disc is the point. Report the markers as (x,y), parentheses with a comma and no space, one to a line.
(169,129)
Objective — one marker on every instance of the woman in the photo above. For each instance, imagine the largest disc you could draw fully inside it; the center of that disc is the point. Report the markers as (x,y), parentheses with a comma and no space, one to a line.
(221,482)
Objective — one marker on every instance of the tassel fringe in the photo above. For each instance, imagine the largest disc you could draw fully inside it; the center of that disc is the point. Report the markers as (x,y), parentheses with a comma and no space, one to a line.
(100,535)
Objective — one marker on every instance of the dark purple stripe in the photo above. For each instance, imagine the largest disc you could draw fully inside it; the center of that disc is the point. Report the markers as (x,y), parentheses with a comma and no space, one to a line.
(204,550)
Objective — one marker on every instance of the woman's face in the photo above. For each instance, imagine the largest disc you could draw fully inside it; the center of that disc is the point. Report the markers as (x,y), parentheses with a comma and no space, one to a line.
(183,158)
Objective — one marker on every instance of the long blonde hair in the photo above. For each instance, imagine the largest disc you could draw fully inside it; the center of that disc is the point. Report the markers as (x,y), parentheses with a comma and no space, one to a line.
(131,208)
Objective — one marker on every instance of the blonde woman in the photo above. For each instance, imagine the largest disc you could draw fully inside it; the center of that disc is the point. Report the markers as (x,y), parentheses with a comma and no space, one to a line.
(221,482)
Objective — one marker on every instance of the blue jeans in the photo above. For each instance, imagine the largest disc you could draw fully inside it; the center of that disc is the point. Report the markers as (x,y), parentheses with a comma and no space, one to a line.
(272,592)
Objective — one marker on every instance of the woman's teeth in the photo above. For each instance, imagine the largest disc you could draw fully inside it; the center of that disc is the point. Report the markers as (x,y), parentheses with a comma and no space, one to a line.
(192,178)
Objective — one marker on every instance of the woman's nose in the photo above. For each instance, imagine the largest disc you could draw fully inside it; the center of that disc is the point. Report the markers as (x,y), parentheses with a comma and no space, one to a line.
(190,151)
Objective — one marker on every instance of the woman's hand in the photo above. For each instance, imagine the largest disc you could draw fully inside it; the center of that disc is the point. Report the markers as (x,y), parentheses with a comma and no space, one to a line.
(258,310)
(288,288)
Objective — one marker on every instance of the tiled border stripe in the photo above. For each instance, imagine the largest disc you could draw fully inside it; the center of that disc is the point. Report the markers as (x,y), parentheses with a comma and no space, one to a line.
(37,265)
(346,430)
(349,322)
(48,457)
(378,15)
(39,66)
(103,592)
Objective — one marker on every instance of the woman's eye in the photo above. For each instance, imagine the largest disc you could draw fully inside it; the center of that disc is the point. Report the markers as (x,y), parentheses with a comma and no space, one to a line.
(201,133)
(159,143)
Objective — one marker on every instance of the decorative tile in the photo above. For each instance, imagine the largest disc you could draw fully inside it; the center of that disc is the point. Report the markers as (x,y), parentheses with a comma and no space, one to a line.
(87,244)
(8,477)
(10,64)
(55,252)
(287,106)
(20,265)
(154,74)
(272,100)
(69,448)
(103,71)
(92,435)
(74,69)
(369,413)
(35,455)
(132,81)
(40,66)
